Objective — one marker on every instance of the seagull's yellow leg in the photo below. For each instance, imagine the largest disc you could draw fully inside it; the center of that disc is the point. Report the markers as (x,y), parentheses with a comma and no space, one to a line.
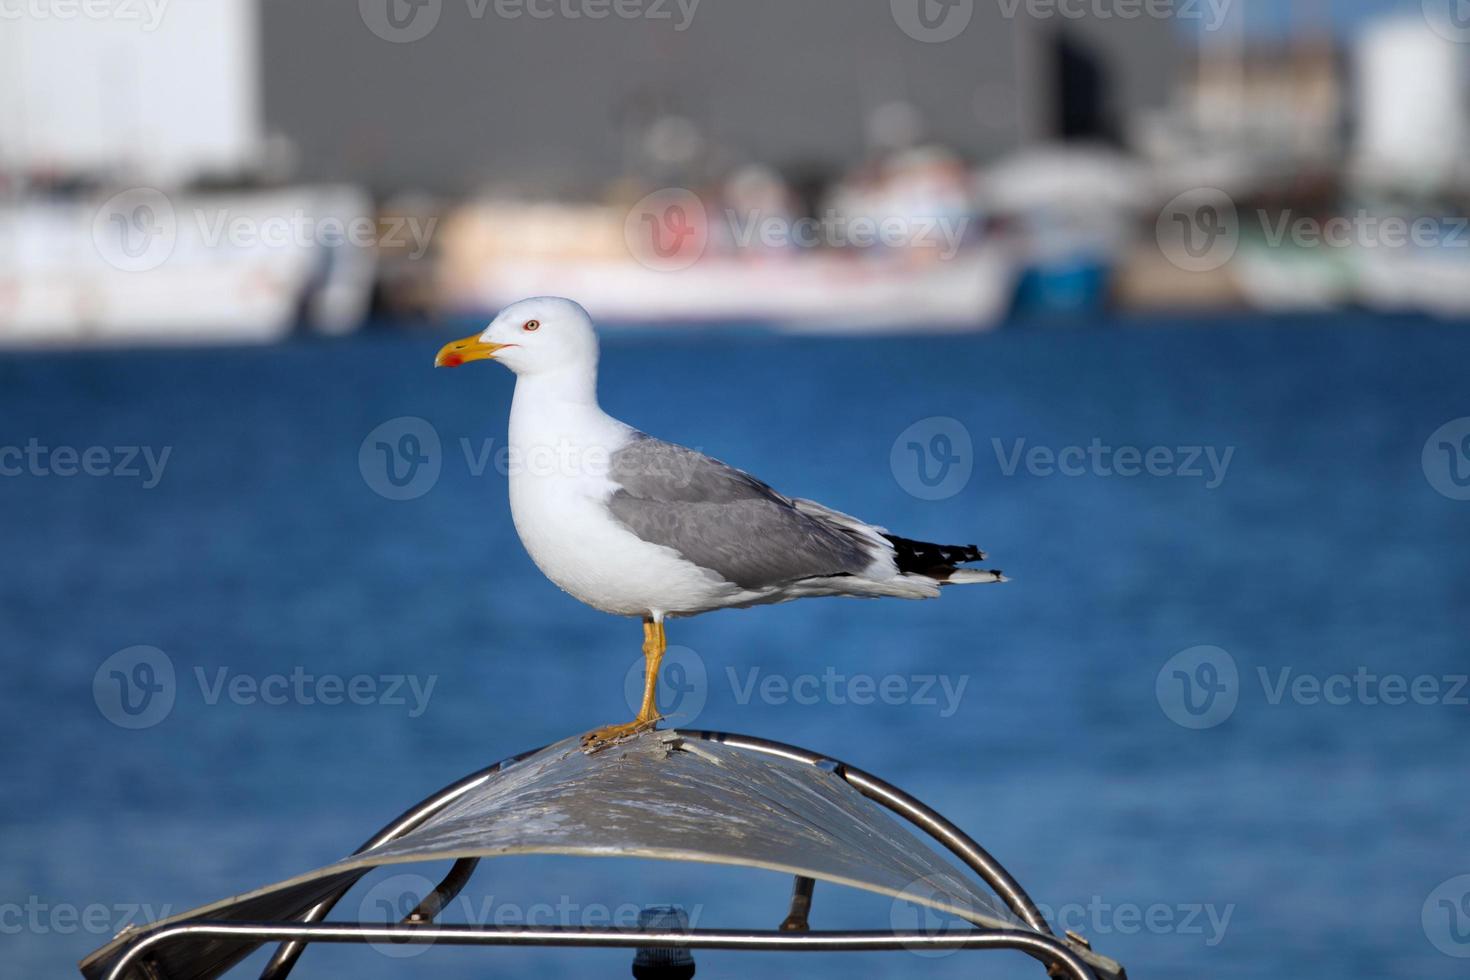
(654,643)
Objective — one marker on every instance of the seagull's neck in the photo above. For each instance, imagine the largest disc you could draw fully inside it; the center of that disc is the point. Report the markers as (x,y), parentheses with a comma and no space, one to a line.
(557,404)
(574,384)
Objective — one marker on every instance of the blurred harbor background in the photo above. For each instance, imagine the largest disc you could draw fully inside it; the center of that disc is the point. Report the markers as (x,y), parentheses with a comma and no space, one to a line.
(239,170)
(974,251)
(1282,838)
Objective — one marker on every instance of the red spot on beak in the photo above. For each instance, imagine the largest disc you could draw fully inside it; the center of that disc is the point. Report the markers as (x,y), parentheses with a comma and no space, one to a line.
(453,360)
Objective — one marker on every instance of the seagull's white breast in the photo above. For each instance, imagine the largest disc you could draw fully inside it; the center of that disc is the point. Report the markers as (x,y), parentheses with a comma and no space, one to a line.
(559,462)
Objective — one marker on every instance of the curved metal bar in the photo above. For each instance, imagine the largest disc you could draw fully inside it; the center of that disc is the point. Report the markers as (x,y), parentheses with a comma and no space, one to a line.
(433,903)
(1047,949)
(286,956)
(916,812)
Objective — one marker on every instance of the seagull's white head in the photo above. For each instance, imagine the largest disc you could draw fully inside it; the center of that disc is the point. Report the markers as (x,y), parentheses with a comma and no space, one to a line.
(534,336)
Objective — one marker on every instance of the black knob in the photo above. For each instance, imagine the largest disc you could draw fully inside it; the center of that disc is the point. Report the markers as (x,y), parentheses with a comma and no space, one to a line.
(663,963)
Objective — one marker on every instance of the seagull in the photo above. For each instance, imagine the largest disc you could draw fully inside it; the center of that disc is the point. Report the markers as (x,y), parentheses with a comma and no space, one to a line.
(639,527)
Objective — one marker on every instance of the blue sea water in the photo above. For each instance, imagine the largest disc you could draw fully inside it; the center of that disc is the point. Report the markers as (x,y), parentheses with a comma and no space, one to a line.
(1283,835)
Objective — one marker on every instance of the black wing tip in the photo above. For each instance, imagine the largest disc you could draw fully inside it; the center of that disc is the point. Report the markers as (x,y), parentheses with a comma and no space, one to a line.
(927,558)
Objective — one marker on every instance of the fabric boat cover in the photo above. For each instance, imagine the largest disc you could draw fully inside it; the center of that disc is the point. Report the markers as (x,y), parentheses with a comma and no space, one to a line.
(657,795)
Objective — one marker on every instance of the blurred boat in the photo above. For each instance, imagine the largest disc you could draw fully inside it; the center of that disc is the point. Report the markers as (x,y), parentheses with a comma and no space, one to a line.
(147,267)
(1073,212)
(1392,274)
(1434,280)
(821,293)
(1285,278)
(493,253)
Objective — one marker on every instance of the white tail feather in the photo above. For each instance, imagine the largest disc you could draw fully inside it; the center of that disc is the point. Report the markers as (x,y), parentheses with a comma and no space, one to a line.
(974,576)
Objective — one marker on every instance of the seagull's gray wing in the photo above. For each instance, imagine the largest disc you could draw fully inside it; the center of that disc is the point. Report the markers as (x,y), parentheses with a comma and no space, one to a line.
(724,520)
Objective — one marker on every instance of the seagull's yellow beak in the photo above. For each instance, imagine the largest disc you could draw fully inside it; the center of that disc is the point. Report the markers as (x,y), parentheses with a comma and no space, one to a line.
(471,348)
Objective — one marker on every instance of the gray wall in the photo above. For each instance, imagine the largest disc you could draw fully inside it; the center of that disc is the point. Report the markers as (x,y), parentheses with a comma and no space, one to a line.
(536,102)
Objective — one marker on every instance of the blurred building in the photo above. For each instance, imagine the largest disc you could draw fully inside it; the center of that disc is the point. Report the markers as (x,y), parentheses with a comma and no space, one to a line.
(238,169)
(162,93)
(1411,108)
(563,104)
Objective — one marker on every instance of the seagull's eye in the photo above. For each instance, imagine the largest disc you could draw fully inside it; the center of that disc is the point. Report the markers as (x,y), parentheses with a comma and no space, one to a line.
(531,325)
